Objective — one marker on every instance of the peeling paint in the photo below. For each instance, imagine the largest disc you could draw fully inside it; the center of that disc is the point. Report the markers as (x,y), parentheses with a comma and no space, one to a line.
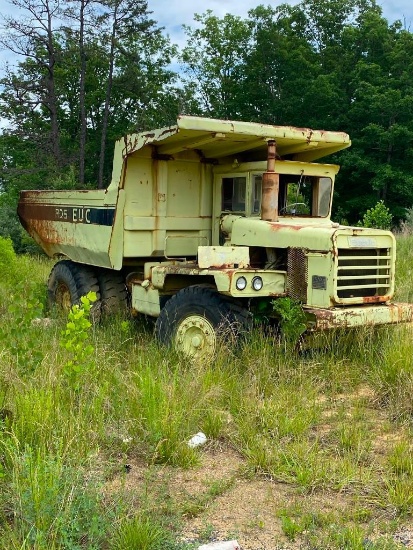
(348,317)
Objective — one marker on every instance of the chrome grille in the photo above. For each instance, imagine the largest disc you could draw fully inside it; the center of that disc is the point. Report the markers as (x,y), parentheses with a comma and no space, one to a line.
(363,272)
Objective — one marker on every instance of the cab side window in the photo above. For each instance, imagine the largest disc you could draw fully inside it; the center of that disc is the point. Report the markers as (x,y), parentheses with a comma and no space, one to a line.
(233,194)
(256,193)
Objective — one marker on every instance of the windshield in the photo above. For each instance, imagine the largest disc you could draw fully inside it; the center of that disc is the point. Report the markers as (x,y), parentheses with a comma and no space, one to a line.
(304,196)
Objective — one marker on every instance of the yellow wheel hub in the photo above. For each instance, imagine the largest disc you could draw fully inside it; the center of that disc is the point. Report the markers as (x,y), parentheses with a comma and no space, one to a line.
(195,337)
(63,298)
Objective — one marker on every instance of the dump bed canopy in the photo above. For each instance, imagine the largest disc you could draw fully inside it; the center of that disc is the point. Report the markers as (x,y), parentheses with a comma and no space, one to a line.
(214,139)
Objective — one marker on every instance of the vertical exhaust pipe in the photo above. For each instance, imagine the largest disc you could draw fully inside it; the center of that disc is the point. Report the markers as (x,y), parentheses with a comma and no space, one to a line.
(270,186)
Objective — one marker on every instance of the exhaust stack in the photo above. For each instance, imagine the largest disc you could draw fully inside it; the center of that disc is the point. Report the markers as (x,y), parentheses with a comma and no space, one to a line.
(270,186)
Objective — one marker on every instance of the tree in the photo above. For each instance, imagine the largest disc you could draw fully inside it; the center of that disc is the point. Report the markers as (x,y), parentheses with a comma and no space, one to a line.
(279,67)
(101,90)
(124,21)
(380,118)
(32,36)
(213,60)
(83,13)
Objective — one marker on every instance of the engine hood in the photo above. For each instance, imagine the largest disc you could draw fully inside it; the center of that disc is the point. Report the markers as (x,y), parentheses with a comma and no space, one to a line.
(313,234)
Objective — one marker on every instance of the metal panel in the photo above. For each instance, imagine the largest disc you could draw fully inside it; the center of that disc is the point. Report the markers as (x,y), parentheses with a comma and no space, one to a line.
(221,138)
(145,300)
(223,256)
(347,317)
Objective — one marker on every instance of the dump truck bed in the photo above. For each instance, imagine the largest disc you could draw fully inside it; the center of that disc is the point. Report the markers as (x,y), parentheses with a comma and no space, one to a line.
(159,202)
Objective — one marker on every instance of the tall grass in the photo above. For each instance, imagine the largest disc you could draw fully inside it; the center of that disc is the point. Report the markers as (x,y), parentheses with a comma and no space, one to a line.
(319,420)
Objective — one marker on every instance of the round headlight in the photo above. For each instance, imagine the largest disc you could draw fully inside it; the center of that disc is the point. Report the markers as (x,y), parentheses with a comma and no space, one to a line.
(257,283)
(241,283)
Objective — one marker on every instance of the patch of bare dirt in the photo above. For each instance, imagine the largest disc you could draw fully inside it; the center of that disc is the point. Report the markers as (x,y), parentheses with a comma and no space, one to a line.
(245,509)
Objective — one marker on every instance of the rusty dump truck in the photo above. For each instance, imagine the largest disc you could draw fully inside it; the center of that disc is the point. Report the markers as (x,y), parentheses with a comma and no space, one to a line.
(207,222)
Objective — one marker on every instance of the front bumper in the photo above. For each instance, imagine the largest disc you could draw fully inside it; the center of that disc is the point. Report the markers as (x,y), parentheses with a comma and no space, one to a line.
(348,317)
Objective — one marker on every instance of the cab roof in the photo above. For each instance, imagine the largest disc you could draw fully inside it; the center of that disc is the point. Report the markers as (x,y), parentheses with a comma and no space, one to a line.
(214,139)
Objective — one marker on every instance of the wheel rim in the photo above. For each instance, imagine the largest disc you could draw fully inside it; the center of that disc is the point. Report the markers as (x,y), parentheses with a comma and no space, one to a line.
(196,337)
(63,297)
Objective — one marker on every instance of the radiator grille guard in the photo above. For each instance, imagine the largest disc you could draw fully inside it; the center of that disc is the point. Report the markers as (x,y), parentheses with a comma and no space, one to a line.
(297,271)
(363,273)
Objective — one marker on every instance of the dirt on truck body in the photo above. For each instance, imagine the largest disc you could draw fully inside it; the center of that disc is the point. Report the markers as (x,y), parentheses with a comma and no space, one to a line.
(206,223)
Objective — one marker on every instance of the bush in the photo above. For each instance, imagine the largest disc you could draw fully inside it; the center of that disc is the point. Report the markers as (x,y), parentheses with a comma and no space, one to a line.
(10,228)
(406,225)
(8,260)
(378,217)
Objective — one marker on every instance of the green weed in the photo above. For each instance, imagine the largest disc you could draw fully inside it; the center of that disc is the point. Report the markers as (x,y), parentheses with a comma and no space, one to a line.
(316,421)
(52,507)
(139,532)
(397,495)
(75,340)
(8,261)
(19,336)
(194,506)
(292,319)
(400,459)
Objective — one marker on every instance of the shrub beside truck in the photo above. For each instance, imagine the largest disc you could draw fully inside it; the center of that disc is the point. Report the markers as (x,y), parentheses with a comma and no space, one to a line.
(206,223)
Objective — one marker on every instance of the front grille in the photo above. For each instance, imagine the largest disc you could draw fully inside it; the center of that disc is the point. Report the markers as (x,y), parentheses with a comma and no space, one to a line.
(363,273)
(297,271)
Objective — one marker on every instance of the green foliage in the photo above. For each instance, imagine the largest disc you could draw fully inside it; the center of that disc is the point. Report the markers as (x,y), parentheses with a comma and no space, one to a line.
(123,63)
(10,226)
(52,507)
(292,318)
(21,335)
(75,339)
(160,410)
(194,506)
(406,225)
(294,521)
(401,459)
(214,59)
(353,76)
(66,180)
(8,264)
(139,532)
(289,527)
(378,217)
(330,430)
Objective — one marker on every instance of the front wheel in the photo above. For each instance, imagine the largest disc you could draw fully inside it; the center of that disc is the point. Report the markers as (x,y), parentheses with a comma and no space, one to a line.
(195,319)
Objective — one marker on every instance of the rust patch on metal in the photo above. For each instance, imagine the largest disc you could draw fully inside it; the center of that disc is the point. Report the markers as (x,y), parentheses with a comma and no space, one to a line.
(279,226)
(375,299)
(270,186)
(395,313)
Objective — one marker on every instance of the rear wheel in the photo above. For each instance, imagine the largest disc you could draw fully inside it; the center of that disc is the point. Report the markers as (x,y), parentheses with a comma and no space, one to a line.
(68,282)
(113,293)
(196,318)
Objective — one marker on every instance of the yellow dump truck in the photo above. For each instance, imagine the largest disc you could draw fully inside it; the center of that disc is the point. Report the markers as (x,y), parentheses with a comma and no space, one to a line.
(207,222)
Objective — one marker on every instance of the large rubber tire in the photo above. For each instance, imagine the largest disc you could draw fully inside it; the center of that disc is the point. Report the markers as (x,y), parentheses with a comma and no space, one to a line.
(68,282)
(196,318)
(113,292)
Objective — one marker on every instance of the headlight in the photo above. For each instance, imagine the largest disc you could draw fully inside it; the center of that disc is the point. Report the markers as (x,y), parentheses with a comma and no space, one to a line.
(257,283)
(241,283)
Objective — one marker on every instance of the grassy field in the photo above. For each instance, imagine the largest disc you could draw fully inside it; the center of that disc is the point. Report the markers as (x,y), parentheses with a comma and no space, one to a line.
(305,450)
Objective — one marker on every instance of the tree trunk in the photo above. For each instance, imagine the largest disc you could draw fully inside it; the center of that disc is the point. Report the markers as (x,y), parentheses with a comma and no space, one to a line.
(105,118)
(51,99)
(82,105)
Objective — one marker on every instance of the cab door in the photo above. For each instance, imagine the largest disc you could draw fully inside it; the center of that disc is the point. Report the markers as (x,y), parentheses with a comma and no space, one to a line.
(230,197)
